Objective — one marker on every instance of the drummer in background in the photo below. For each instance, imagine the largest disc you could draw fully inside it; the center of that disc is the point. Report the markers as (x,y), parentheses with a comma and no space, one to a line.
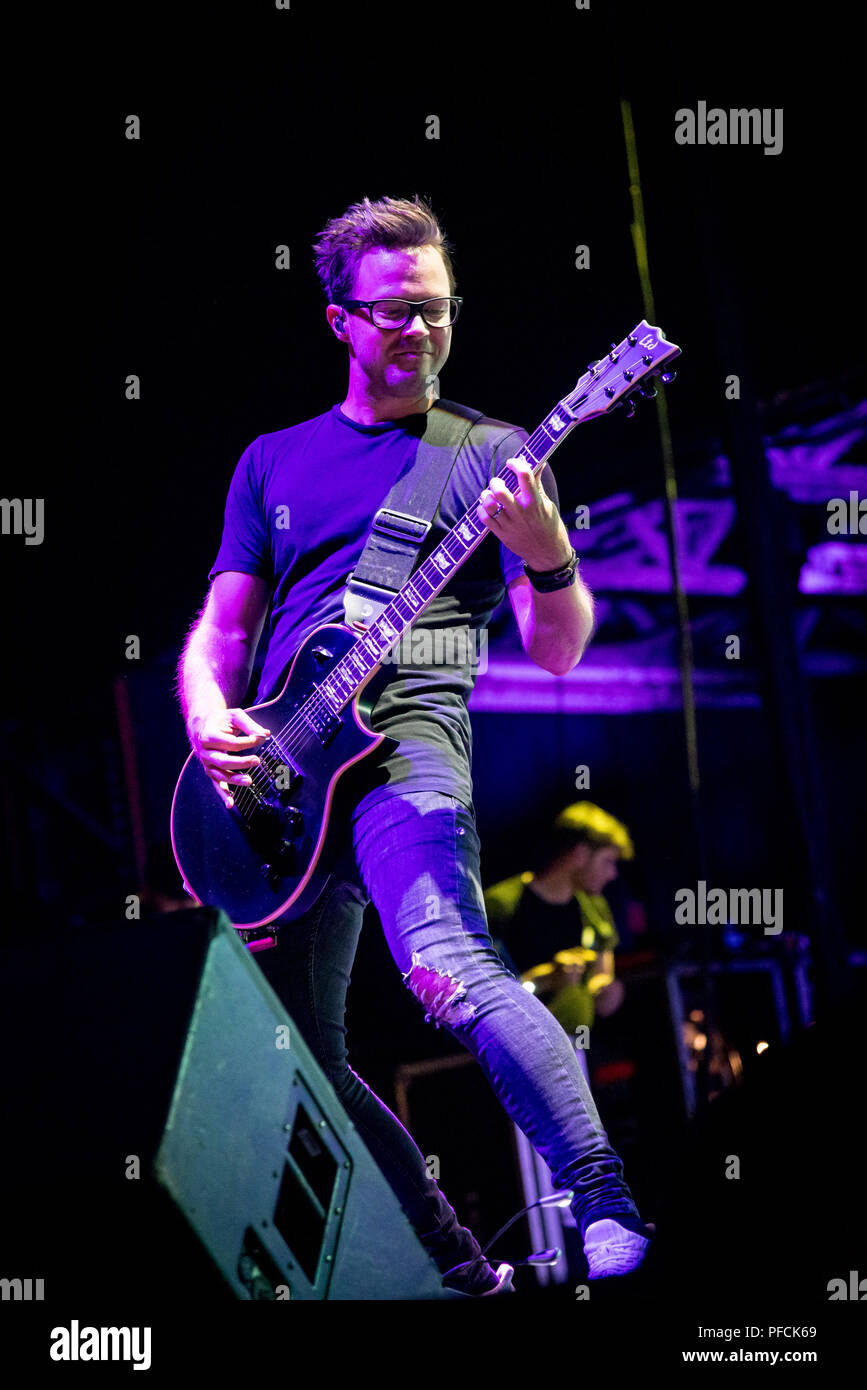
(554,928)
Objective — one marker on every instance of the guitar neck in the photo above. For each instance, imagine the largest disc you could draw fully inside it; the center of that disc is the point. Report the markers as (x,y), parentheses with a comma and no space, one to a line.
(346,678)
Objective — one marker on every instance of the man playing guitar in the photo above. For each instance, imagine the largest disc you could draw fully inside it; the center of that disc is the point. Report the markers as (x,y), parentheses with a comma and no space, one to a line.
(410,843)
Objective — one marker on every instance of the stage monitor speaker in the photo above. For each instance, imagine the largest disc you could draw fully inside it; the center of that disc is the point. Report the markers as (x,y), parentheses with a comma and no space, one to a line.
(173,1137)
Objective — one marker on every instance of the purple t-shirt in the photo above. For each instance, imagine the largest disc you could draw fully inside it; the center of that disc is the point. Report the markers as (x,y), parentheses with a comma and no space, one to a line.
(299,510)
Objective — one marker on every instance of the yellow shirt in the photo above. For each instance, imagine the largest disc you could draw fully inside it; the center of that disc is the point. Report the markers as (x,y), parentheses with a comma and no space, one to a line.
(572,1005)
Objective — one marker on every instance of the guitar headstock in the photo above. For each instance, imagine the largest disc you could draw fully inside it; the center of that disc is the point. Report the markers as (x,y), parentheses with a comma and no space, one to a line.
(623,373)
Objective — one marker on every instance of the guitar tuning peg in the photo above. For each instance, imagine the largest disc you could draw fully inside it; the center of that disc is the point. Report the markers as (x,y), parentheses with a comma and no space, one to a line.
(649,391)
(666,377)
(630,407)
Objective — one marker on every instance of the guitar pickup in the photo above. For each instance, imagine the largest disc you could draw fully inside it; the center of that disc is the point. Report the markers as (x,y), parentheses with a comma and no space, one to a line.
(323,723)
(280,768)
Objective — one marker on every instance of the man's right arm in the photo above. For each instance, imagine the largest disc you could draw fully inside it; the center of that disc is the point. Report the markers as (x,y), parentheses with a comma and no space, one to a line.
(213,676)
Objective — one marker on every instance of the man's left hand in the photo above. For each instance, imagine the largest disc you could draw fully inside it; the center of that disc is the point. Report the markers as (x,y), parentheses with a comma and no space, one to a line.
(527,522)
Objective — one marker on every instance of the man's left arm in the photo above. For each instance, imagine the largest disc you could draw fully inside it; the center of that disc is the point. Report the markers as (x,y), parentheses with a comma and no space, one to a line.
(555,627)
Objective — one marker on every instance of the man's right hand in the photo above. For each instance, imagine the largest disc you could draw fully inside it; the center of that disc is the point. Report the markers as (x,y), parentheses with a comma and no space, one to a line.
(221,741)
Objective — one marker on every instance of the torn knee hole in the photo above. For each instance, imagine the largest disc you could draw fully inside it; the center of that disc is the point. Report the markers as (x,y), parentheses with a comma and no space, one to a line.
(443,997)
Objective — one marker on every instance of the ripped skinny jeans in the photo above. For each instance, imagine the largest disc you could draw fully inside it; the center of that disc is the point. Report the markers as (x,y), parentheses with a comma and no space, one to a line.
(416,856)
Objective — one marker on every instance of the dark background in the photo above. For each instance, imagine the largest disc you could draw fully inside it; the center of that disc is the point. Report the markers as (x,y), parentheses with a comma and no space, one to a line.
(156,257)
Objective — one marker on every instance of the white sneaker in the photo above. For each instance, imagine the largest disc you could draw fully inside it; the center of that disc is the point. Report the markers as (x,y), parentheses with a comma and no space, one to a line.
(505,1274)
(611,1249)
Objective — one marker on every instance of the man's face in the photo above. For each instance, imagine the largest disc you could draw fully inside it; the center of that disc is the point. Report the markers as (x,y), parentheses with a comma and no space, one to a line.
(397,361)
(593,868)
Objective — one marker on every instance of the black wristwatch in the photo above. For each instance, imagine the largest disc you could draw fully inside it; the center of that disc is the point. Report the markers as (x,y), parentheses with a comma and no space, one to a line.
(548,581)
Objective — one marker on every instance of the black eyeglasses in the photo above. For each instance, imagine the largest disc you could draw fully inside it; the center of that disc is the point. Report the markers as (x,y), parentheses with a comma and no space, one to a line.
(396,313)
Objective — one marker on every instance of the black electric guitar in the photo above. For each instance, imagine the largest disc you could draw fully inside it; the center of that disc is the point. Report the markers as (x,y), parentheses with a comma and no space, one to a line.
(262,861)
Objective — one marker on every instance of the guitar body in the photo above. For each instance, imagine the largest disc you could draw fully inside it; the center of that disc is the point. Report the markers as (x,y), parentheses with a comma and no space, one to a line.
(266,860)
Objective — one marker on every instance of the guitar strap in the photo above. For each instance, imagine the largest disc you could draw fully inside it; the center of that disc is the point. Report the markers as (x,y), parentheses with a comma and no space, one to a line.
(405,517)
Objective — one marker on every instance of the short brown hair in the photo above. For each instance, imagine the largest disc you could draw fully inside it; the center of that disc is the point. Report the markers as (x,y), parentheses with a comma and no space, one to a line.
(589,824)
(390,223)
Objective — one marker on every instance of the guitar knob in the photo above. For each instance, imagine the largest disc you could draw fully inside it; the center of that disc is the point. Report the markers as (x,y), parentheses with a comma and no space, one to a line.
(271,874)
(294,821)
(322,654)
(287,857)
